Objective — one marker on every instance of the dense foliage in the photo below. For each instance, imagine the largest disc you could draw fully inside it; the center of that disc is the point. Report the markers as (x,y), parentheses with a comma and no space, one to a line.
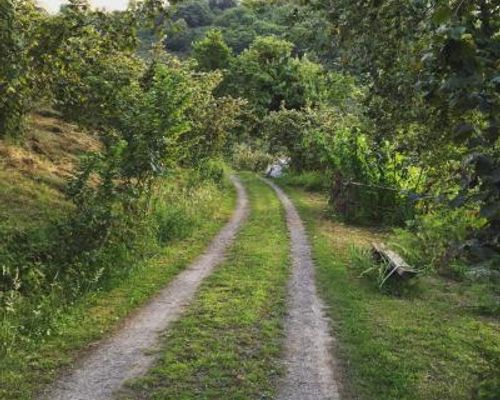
(151,118)
(432,73)
(395,103)
(16,73)
(240,24)
(212,52)
(401,113)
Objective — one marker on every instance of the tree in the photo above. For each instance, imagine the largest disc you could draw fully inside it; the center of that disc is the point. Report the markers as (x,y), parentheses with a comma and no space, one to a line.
(16,75)
(90,54)
(432,71)
(222,4)
(269,77)
(212,52)
(196,13)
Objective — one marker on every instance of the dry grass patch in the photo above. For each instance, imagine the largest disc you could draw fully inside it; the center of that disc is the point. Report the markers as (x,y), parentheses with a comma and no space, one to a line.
(33,173)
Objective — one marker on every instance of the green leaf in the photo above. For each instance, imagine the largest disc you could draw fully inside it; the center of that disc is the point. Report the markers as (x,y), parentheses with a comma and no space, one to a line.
(441,15)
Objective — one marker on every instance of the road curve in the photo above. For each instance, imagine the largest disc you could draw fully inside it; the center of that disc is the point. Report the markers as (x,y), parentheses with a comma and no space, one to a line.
(125,354)
(308,360)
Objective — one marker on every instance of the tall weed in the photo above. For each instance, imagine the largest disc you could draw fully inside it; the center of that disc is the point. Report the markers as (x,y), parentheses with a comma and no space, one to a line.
(309,180)
(378,274)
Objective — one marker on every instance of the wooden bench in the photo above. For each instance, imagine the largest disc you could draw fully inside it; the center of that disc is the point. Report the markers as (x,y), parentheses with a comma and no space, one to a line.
(396,266)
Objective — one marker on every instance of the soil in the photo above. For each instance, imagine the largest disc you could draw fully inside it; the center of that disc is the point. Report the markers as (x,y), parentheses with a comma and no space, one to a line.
(310,367)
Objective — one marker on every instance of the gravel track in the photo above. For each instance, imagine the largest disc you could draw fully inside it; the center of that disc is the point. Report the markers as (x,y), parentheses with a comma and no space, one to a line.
(308,361)
(128,353)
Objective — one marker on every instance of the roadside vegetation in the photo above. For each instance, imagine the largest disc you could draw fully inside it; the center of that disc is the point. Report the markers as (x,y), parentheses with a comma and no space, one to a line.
(438,341)
(111,181)
(42,333)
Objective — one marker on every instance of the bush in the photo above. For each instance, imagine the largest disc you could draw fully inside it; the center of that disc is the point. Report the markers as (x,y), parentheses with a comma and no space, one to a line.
(179,206)
(309,180)
(173,222)
(435,241)
(212,171)
(247,158)
(47,271)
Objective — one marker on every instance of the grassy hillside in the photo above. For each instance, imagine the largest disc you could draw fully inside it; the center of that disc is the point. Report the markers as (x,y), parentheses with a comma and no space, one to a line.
(33,171)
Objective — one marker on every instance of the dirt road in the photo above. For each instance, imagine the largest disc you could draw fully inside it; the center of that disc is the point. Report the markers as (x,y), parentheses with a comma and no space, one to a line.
(308,360)
(129,352)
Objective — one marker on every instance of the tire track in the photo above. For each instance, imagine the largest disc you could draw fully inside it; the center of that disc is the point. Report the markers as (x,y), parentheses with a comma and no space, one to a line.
(308,361)
(127,354)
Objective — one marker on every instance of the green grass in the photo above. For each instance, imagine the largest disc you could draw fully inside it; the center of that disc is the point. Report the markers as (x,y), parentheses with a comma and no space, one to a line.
(308,180)
(228,343)
(25,203)
(430,344)
(31,361)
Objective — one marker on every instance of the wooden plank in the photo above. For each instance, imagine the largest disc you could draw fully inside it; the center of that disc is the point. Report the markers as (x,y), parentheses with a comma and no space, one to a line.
(396,264)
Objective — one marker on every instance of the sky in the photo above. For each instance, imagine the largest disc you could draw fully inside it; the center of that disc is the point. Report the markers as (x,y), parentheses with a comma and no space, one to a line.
(53,5)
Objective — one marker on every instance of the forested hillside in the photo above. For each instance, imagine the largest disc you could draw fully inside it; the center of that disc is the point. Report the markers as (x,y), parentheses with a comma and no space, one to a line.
(118,131)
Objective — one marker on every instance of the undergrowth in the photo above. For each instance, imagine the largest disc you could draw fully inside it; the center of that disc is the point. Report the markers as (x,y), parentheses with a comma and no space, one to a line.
(308,180)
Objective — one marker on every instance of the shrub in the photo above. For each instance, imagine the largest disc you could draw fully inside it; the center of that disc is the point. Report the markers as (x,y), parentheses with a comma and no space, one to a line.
(172,221)
(248,158)
(435,241)
(308,180)
(180,205)
(212,170)
(44,275)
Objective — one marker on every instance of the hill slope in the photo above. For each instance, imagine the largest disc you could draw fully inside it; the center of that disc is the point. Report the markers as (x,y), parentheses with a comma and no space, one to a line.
(33,172)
